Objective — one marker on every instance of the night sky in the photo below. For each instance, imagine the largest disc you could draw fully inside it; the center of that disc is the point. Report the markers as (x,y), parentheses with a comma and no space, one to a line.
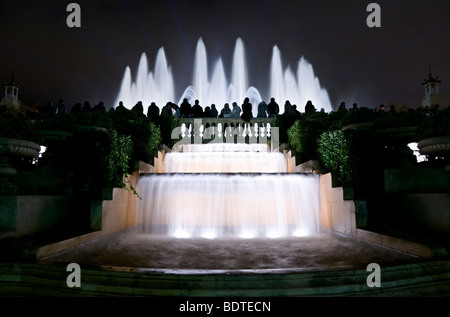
(354,63)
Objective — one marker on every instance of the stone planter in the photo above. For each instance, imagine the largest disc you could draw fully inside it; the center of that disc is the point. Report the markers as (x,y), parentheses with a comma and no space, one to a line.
(18,147)
(91,127)
(9,149)
(408,132)
(435,146)
(54,135)
(358,126)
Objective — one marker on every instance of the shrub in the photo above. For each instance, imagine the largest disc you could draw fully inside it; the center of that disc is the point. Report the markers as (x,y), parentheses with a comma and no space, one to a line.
(89,166)
(166,124)
(100,159)
(303,135)
(119,159)
(359,115)
(334,154)
(55,121)
(284,122)
(295,137)
(92,118)
(435,125)
(146,137)
(398,119)
(17,127)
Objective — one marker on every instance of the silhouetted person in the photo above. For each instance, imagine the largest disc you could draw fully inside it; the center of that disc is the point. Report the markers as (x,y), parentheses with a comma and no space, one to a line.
(60,107)
(197,110)
(167,109)
(392,109)
(225,112)
(309,107)
(262,110)
(288,107)
(87,106)
(381,108)
(272,108)
(214,112)
(176,110)
(207,112)
(76,108)
(246,110)
(99,107)
(185,108)
(297,113)
(236,111)
(153,111)
(120,110)
(342,107)
(138,108)
(355,106)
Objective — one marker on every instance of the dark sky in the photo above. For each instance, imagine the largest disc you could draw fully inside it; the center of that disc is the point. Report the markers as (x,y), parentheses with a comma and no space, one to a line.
(354,63)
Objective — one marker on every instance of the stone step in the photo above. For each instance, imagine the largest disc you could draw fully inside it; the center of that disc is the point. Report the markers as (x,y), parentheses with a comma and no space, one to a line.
(431,278)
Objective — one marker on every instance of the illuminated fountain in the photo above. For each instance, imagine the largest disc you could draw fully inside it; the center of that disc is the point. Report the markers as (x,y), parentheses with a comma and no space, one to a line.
(224,221)
(225,206)
(243,194)
(159,86)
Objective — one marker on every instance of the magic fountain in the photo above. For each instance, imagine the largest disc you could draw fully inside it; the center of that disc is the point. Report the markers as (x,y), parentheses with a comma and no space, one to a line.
(228,207)
(226,192)
(159,85)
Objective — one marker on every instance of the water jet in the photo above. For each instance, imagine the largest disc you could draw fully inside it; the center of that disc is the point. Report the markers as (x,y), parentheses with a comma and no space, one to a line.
(159,85)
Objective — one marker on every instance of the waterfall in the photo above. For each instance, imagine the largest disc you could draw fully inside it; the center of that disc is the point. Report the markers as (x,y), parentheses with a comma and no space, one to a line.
(224,193)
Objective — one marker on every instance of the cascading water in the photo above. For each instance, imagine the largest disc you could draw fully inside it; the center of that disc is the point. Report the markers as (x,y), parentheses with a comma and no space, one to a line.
(224,158)
(159,87)
(228,196)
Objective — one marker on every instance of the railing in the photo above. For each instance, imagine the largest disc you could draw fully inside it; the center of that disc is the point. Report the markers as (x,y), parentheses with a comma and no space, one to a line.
(226,130)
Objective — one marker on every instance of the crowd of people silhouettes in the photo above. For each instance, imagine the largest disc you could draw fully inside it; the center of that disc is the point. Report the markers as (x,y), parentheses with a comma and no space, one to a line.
(245,111)
(186,110)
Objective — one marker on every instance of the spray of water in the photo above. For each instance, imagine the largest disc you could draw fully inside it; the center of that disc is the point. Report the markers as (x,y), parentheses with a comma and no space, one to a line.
(158,86)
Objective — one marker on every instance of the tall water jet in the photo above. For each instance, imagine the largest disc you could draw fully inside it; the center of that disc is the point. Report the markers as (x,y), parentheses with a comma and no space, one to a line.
(148,87)
(159,87)
(218,87)
(276,76)
(299,88)
(201,73)
(310,86)
(239,77)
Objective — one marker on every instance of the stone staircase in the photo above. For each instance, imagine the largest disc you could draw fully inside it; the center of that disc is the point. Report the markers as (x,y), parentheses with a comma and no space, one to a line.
(423,278)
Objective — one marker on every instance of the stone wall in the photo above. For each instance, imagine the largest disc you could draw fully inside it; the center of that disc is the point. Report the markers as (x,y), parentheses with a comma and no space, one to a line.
(418,198)
(24,214)
(422,211)
(114,213)
(338,214)
(305,167)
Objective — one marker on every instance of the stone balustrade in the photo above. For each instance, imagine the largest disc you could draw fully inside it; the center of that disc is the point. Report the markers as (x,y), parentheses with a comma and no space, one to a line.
(226,130)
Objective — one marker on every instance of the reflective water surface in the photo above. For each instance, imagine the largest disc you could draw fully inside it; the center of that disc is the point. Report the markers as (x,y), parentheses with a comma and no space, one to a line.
(319,252)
